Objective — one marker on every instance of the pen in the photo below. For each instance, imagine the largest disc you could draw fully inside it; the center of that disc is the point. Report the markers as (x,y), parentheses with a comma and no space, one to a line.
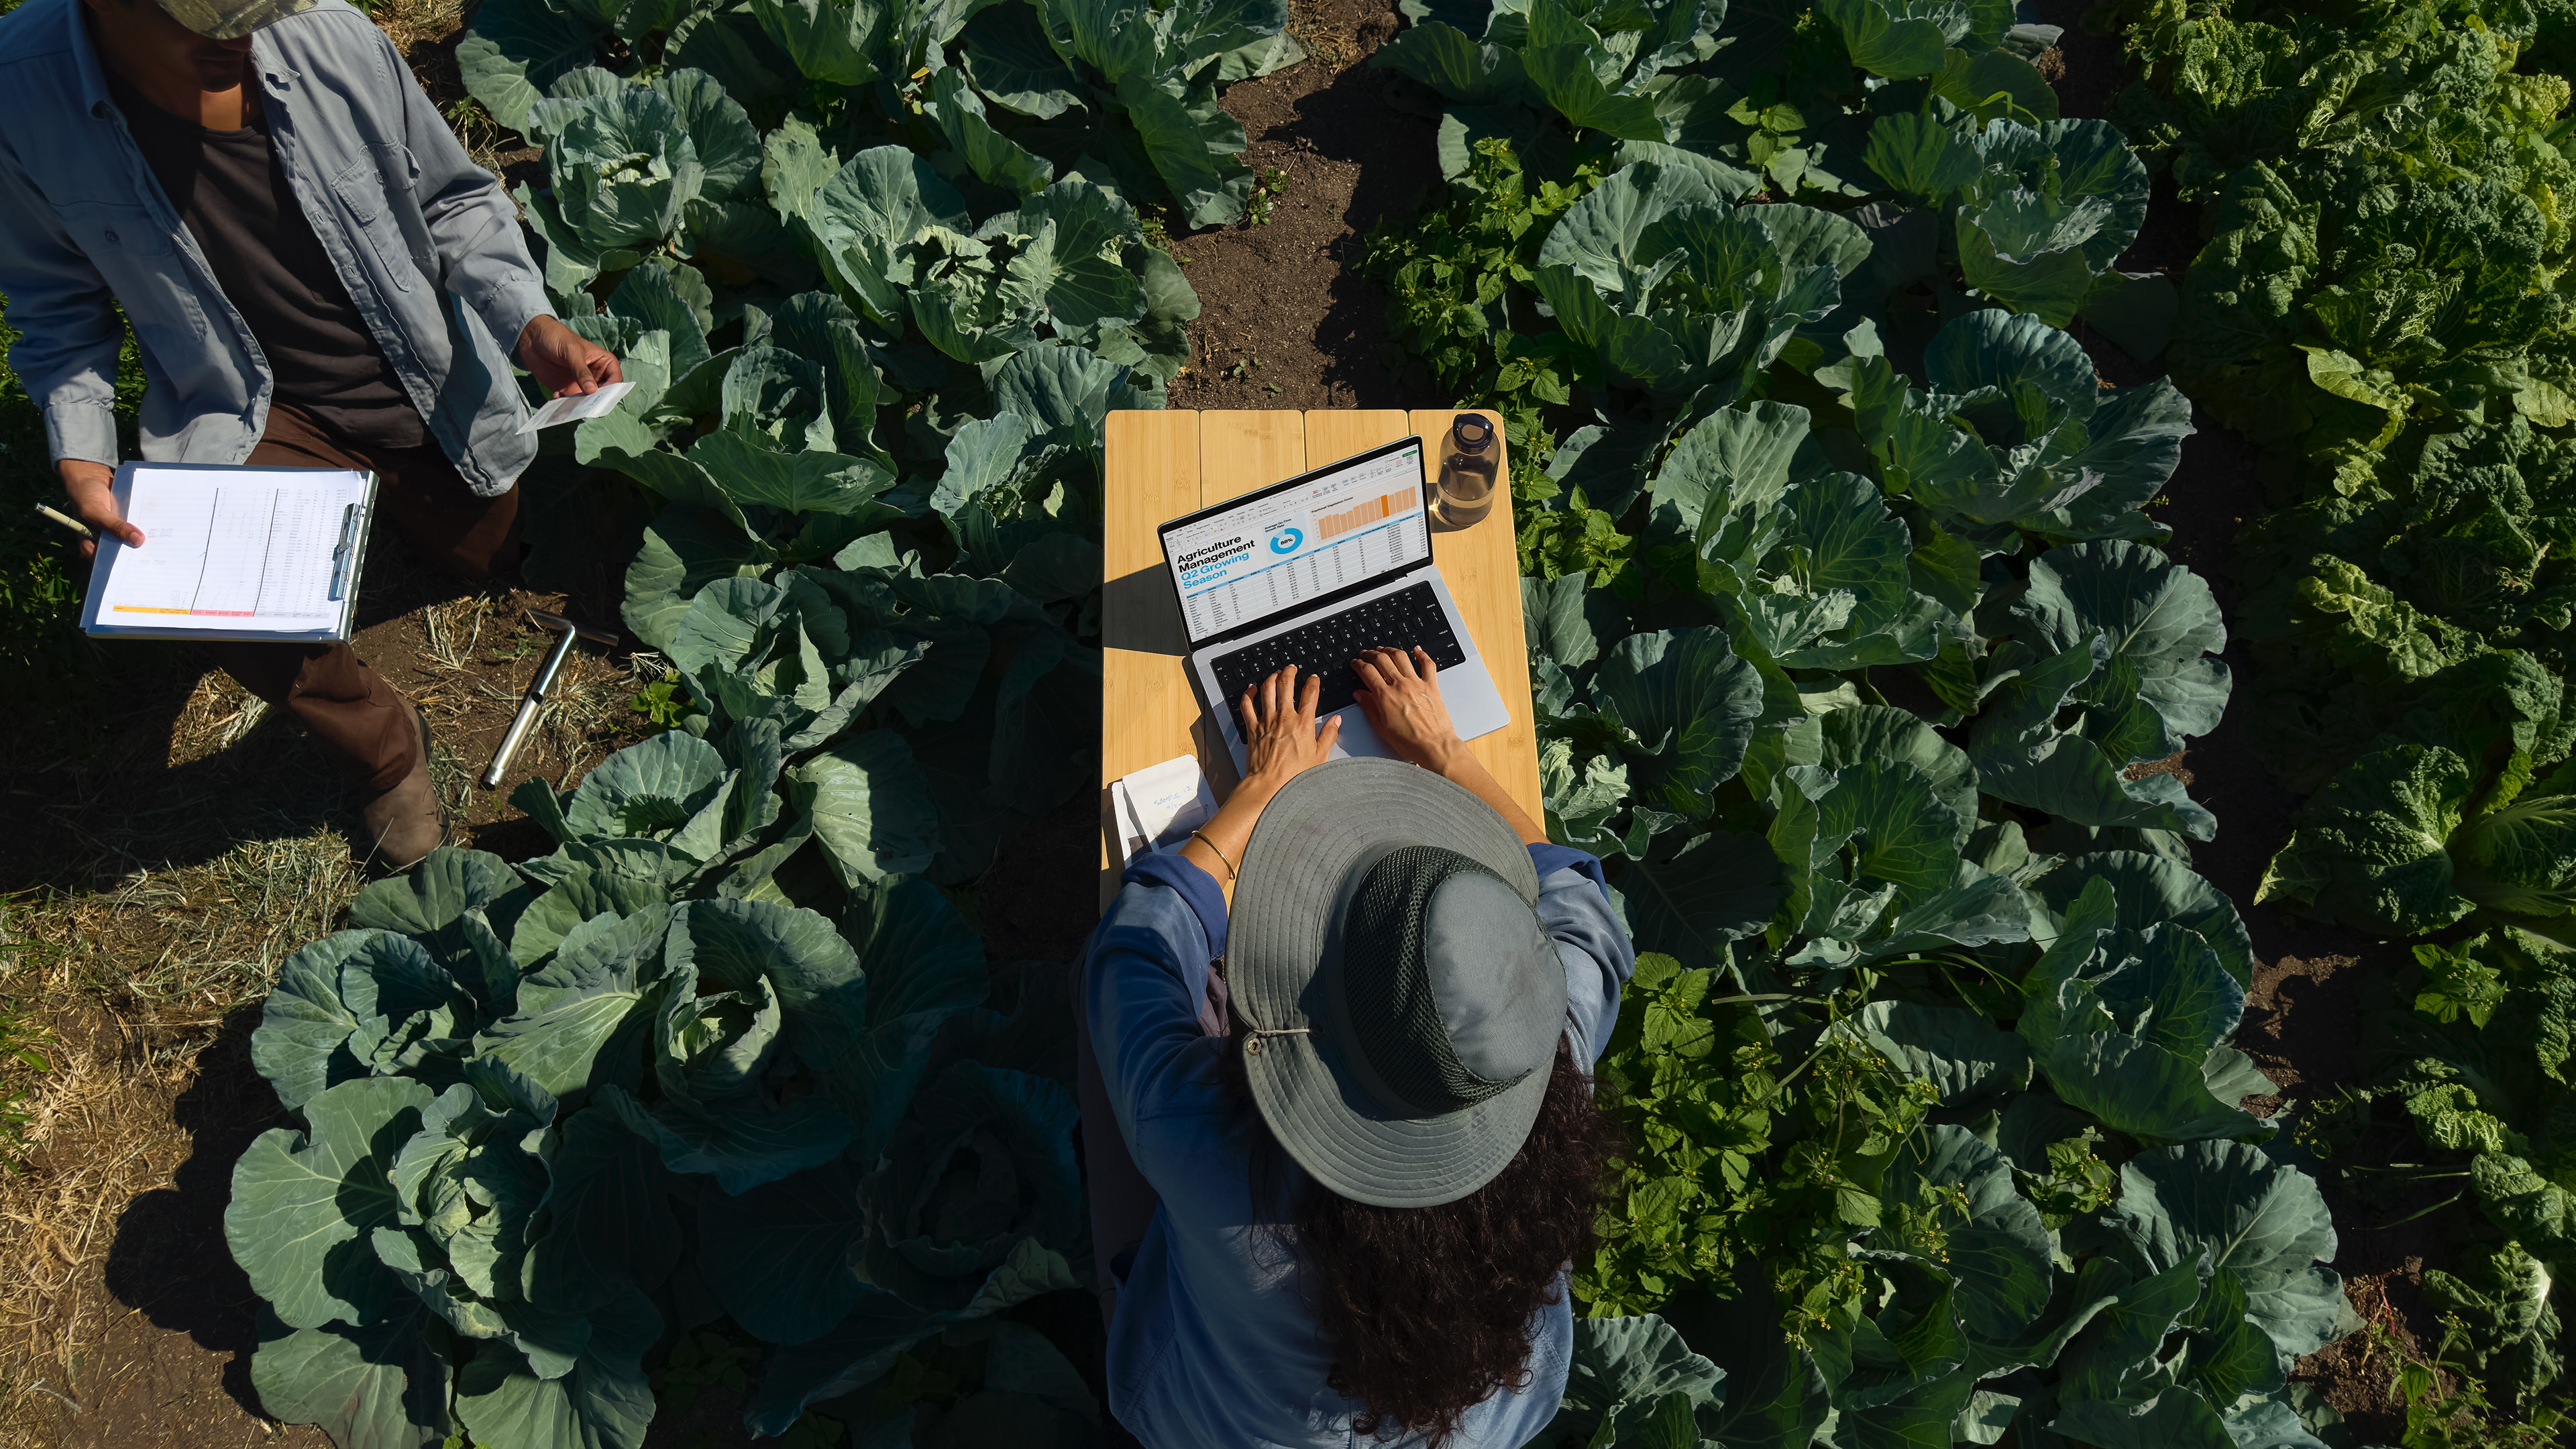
(67,521)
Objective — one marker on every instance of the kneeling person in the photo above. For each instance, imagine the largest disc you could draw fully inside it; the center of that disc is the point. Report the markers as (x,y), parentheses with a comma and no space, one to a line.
(289,226)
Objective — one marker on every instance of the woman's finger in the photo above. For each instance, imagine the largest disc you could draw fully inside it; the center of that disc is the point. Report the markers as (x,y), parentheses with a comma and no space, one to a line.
(1373,685)
(1422,661)
(1332,732)
(1308,698)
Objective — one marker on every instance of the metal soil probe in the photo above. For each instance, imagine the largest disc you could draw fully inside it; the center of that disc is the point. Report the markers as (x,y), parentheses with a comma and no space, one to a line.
(539,688)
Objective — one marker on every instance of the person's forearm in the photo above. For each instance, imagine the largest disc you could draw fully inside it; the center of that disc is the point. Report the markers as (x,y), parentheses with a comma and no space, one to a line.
(1459,766)
(1230,832)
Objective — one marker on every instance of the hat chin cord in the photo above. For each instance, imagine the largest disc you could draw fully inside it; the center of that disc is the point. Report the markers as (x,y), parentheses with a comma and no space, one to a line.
(1252,1048)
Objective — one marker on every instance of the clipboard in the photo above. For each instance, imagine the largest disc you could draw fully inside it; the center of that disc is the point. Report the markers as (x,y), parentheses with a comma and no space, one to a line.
(241,552)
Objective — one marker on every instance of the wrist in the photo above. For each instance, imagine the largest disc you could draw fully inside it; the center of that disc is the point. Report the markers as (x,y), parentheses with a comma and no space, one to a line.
(1446,758)
(534,335)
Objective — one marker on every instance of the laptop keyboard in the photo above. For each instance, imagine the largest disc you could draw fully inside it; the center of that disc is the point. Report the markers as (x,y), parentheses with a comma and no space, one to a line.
(1326,646)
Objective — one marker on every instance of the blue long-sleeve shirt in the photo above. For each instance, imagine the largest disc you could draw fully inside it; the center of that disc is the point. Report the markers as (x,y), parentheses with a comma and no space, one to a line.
(1213,1343)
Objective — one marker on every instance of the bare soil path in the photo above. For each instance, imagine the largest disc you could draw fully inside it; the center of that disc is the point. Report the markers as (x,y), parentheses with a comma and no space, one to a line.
(1286,321)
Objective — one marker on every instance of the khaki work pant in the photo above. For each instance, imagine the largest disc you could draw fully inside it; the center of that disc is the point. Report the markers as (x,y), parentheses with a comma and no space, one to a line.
(346,706)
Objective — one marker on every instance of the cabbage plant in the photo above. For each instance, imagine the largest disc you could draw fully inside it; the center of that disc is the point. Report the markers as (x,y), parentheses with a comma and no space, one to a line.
(2413,837)
(1018,93)
(1679,294)
(2010,431)
(541,1114)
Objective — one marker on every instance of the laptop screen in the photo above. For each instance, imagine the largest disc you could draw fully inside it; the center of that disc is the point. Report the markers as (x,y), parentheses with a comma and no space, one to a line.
(1267,553)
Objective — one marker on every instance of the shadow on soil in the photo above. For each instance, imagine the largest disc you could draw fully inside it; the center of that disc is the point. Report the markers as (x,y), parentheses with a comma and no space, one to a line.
(169,1261)
(110,803)
(1349,121)
(1287,321)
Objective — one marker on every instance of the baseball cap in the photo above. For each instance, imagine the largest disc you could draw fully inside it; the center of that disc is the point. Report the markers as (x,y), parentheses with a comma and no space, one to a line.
(232,19)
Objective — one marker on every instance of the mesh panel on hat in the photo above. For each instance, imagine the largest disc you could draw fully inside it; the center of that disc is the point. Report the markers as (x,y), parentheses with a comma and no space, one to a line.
(1386,979)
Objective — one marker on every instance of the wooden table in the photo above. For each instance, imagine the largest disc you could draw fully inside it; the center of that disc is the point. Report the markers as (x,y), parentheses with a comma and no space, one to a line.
(1164,464)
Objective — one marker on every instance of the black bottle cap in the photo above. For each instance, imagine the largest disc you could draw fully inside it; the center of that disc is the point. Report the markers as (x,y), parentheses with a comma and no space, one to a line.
(1471,433)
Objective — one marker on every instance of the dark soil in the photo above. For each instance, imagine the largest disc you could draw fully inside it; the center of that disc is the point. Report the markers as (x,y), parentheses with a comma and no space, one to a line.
(173,1369)
(1286,321)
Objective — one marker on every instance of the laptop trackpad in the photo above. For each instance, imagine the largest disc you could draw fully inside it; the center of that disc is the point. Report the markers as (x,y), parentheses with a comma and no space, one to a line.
(1357,738)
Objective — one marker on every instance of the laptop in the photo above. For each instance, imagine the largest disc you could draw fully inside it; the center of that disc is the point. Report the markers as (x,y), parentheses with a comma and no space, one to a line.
(1312,572)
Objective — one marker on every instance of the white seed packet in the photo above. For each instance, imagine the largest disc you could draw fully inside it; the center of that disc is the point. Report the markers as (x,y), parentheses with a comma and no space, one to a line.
(1157,807)
(574,409)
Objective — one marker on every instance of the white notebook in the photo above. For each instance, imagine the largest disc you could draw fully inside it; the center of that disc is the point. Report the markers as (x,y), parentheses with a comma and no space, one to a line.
(1157,807)
(233,553)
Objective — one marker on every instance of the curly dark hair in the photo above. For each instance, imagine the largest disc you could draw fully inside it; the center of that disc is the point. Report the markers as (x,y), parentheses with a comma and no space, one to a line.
(1428,1309)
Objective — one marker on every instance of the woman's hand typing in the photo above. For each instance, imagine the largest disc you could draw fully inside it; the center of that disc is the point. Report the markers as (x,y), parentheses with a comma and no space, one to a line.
(1401,696)
(1280,743)
(1283,742)
(1403,703)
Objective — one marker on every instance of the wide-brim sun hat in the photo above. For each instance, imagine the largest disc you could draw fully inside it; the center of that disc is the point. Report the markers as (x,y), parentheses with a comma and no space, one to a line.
(1402,1000)
(232,19)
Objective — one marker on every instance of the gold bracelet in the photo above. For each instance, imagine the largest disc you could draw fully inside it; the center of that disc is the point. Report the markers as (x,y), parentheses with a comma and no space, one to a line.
(1201,838)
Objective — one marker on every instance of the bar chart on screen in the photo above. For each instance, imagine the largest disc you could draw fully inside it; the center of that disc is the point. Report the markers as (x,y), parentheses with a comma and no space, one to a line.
(1360,515)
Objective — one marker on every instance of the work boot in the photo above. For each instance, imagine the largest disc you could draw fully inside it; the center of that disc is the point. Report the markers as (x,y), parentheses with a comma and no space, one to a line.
(406,822)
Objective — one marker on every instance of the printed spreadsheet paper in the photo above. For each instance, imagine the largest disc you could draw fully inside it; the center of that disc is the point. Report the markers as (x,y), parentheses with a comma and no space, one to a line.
(233,553)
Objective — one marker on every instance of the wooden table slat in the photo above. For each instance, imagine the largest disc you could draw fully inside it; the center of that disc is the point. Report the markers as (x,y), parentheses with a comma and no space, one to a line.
(1155,458)
(1332,436)
(1241,451)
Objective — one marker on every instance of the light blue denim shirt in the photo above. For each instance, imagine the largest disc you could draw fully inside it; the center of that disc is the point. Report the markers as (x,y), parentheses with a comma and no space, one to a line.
(1213,1343)
(426,241)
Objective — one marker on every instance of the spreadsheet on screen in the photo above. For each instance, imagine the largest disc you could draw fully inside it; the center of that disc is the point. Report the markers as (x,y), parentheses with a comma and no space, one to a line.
(1281,549)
